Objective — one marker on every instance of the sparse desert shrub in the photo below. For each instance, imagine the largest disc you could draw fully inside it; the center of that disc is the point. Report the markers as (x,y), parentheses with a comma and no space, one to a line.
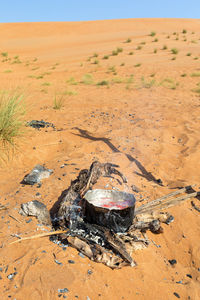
(95,55)
(119,50)
(195,58)
(7,71)
(155,40)
(169,83)
(103,82)
(46,84)
(70,93)
(183,75)
(153,33)
(12,125)
(139,47)
(96,62)
(196,90)
(155,50)
(164,47)
(128,40)
(114,53)
(130,79)
(58,102)
(106,57)
(122,64)
(195,74)
(112,69)
(174,58)
(130,53)
(143,43)
(72,81)
(184,31)
(174,51)
(117,80)
(188,54)
(87,79)
(147,84)
(4,54)
(137,65)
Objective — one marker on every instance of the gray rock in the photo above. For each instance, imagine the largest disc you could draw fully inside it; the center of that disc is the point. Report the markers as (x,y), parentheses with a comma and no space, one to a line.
(36,175)
(36,209)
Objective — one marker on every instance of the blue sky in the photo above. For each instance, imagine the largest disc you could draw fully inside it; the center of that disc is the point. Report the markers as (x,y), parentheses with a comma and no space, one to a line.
(81,10)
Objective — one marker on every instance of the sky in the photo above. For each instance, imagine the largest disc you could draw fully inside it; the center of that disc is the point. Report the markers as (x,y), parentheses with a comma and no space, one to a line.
(86,10)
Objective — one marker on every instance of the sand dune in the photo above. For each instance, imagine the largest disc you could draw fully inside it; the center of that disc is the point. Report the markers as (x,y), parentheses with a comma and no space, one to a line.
(140,108)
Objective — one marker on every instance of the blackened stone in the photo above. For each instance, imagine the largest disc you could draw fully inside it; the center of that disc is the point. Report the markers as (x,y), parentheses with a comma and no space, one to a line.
(71,261)
(189,275)
(89,272)
(177,295)
(172,261)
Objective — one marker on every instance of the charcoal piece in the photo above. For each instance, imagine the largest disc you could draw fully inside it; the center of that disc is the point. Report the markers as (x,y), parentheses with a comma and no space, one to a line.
(36,209)
(38,173)
(40,124)
(112,209)
(172,261)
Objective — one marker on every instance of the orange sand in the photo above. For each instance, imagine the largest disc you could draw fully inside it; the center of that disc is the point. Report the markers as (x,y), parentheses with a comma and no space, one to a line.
(147,112)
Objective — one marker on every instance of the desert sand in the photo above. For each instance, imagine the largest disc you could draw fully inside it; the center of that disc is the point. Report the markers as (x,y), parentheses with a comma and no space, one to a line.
(147,110)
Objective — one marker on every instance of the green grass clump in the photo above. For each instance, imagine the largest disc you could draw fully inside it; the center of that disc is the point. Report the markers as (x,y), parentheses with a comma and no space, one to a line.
(112,69)
(103,82)
(137,65)
(4,54)
(7,71)
(174,51)
(70,93)
(147,84)
(114,53)
(46,84)
(12,125)
(169,83)
(87,79)
(153,33)
(58,102)
(197,90)
(195,74)
(72,81)
(129,79)
(119,50)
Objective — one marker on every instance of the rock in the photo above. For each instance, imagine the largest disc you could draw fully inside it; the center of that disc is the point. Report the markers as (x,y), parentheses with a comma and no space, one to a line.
(172,261)
(40,124)
(12,275)
(36,209)
(177,295)
(38,173)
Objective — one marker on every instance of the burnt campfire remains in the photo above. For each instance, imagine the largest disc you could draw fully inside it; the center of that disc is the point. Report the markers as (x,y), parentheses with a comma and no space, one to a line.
(104,225)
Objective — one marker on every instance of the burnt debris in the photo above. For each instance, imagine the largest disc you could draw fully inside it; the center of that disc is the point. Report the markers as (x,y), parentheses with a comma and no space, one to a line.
(112,235)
